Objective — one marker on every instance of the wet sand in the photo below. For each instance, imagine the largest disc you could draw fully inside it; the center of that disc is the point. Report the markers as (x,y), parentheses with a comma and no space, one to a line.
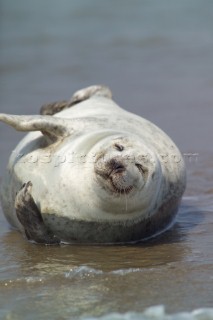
(174,269)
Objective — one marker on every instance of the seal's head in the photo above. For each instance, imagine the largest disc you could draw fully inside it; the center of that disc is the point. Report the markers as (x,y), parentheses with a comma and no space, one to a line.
(119,168)
(126,168)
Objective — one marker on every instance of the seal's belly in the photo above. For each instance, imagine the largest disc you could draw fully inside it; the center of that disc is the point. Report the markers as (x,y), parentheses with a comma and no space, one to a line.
(83,231)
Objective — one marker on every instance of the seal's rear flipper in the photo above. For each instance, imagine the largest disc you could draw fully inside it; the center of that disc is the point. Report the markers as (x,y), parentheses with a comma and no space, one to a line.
(54,107)
(31,218)
(88,92)
(52,128)
(79,96)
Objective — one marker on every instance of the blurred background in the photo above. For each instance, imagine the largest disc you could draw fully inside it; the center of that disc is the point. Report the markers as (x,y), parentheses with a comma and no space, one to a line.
(156,56)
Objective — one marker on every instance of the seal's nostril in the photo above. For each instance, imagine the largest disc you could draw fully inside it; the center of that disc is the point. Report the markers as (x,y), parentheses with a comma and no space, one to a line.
(116,166)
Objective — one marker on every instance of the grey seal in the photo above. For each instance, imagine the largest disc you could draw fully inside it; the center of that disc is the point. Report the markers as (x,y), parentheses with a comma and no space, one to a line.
(90,172)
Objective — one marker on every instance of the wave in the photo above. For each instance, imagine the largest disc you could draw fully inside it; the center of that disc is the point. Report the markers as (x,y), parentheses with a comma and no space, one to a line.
(85,271)
(74,273)
(158,313)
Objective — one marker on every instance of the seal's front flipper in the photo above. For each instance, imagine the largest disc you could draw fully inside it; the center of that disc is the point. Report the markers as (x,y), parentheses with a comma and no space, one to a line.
(52,128)
(31,219)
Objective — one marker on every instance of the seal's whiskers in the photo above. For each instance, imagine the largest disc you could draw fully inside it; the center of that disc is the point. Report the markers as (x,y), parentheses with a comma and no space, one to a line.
(126,200)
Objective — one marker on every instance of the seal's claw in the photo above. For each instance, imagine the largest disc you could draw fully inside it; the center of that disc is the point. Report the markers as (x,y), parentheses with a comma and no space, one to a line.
(30,217)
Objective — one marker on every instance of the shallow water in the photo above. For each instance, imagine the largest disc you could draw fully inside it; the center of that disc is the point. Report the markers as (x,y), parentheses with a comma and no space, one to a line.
(157,58)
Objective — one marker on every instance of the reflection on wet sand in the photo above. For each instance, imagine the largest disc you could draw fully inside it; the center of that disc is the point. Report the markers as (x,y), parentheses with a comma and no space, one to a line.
(95,279)
(40,259)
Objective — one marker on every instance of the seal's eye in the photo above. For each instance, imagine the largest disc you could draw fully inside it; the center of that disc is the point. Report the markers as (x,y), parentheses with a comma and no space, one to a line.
(140,168)
(119,147)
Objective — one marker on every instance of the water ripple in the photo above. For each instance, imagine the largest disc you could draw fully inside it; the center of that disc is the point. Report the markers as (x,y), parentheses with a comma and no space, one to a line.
(84,271)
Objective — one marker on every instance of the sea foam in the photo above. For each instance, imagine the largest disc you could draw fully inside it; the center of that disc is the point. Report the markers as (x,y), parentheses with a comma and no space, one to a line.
(158,313)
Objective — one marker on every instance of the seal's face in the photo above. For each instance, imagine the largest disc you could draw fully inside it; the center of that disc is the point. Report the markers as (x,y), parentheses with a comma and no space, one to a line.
(119,169)
(124,167)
